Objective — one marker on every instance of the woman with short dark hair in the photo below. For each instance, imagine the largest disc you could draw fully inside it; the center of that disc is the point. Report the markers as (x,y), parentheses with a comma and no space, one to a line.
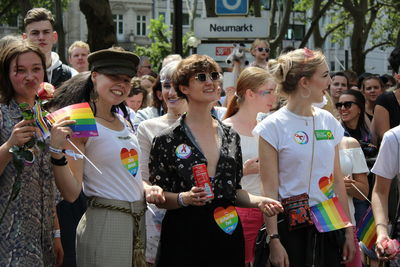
(198,163)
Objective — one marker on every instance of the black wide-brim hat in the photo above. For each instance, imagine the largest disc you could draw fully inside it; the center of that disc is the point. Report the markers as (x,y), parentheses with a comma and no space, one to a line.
(114,62)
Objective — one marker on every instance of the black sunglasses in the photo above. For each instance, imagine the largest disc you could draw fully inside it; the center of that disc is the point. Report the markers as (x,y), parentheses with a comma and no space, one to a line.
(202,77)
(346,104)
(260,49)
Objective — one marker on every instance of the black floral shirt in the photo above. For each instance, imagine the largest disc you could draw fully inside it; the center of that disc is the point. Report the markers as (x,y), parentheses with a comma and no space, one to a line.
(173,154)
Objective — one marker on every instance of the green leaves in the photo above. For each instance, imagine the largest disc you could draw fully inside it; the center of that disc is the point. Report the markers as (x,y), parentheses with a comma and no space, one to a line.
(161,45)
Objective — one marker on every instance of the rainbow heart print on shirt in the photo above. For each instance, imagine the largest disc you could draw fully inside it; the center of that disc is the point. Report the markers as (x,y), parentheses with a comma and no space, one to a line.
(130,160)
(326,186)
(227,219)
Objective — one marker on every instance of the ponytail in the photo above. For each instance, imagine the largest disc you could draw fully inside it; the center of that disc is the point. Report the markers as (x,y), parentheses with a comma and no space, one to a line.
(233,107)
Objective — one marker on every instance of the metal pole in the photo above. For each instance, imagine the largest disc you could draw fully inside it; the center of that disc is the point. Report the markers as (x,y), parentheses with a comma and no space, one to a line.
(177,27)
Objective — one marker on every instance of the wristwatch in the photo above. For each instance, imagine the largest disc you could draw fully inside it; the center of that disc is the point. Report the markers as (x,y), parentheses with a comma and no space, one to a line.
(270,237)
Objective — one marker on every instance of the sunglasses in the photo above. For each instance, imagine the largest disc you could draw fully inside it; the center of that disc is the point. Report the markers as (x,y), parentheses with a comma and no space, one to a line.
(346,104)
(260,49)
(202,77)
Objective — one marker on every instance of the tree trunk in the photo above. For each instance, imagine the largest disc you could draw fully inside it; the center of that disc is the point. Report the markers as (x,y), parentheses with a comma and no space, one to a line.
(257,8)
(59,27)
(357,46)
(317,13)
(283,27)
(101,32)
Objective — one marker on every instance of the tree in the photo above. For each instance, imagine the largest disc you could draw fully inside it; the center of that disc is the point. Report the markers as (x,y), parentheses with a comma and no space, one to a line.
(101,32)
(161,45)
(372,23)
(319,9)
(278,31)
(59,27)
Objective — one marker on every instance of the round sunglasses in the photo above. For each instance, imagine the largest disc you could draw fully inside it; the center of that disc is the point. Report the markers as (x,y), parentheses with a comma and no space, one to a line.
(346,104)
(202,77)
(260,49)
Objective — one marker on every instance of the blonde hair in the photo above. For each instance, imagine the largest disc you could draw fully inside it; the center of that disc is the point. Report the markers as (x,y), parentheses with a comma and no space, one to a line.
(80,44)
(250,78)
(289,68)
(256,43)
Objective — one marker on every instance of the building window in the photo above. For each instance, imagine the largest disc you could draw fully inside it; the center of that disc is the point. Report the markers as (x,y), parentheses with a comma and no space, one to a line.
(185,19)
(141,25)
(333,67)
(266,4)
(295,32)
(119,26)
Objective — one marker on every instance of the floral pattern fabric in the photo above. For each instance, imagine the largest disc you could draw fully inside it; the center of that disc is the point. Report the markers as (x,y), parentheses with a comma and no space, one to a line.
(172,170)
(26,230)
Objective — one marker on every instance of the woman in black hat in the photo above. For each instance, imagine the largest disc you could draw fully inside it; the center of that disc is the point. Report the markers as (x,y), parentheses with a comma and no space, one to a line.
(111,232)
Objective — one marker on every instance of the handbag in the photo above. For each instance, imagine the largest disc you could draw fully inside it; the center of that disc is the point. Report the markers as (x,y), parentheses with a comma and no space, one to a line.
(297,211)
(261,248)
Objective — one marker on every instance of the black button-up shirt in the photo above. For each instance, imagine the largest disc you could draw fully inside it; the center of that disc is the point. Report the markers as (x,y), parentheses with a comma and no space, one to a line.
(174,152)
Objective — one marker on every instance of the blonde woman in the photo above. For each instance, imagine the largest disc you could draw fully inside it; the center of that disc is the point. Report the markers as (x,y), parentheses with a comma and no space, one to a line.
(255,93)
(299,165)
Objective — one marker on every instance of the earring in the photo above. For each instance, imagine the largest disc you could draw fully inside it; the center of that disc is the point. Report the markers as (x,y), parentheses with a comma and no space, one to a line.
(306,96)
(93,95)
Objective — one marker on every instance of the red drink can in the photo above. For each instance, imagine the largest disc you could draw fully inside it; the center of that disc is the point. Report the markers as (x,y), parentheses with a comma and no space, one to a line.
(202,179)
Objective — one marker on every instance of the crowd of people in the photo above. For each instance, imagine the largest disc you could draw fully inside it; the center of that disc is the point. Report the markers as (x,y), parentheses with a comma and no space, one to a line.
(179,177)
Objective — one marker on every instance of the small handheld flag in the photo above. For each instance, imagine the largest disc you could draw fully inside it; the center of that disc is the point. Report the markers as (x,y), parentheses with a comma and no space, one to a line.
(41,124)
(329,216)
(85,125)
(366,232)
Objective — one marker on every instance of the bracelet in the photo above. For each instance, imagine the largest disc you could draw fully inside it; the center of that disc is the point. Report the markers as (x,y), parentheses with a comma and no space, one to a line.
(56,233)
(381,224)
(66,152)
(56,150)
(59,162)
(180,200)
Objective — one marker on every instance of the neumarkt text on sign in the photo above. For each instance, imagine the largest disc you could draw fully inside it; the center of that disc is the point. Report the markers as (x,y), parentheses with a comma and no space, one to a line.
(230,28)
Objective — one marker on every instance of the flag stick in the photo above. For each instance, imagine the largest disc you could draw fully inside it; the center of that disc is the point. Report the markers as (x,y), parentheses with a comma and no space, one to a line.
(84,155)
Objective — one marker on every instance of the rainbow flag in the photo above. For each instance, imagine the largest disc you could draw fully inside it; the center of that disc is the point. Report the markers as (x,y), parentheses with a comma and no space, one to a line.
(329,216)
(40,123)
(85,125)
(366,231)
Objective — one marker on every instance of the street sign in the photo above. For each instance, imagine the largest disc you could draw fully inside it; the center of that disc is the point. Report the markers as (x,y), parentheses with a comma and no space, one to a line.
(220,51)
(231,7)
(233,28)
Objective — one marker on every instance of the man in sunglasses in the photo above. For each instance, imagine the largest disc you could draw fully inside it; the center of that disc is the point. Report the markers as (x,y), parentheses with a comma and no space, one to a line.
(260,52)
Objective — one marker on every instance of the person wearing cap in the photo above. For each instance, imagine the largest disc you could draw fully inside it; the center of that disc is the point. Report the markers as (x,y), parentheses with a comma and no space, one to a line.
(111,232)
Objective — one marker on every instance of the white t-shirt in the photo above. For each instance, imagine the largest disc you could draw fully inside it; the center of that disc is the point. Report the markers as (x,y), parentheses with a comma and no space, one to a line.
(251,182)
(352,161)
(387,164)
(116,154)
(292,136)
(146,132)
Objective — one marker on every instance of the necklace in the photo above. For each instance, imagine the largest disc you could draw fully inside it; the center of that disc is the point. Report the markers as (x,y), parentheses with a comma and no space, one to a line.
(109,121)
